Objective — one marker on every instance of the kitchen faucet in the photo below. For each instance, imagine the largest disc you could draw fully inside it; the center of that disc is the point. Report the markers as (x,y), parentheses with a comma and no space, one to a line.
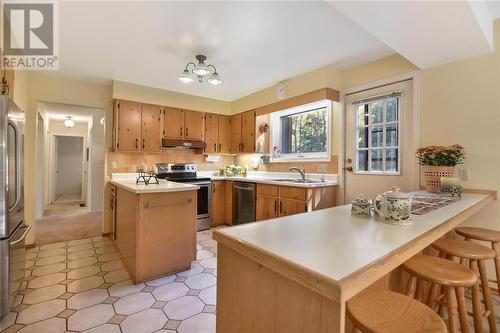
(301,170)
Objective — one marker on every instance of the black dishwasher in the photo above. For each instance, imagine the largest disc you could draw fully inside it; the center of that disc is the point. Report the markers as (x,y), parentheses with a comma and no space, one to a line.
(243,202)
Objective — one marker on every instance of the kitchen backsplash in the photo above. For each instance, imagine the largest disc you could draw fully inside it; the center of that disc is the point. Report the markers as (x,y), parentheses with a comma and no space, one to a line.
(125,161)
(311,167)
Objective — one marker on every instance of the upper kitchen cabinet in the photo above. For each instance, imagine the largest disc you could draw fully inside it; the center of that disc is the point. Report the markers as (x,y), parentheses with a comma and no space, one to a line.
(195,125)
(137,126)
(217,133)
(243,132)
(151,116)
(174,123)
(183,124)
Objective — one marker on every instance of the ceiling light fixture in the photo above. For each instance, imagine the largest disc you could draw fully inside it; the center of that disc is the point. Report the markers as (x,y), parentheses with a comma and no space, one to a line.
(202,71)
(69,122)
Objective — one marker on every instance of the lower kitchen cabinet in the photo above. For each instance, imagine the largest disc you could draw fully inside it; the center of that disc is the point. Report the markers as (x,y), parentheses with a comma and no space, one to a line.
(217,203)
(267,207)
(155,233)
(275,201)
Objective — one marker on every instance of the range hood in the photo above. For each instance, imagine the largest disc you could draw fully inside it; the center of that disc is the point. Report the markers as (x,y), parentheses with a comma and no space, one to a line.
(172,143)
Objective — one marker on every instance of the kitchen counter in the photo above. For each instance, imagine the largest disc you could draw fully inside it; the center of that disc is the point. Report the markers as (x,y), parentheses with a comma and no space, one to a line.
(329,254)
(163,186)
(271,178)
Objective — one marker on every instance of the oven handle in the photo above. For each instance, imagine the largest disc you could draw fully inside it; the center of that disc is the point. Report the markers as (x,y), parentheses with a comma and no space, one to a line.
(199,183)
(23,236)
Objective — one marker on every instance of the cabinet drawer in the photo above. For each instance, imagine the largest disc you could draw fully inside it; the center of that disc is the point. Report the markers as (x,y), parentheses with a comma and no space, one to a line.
(295,193)
(271,190)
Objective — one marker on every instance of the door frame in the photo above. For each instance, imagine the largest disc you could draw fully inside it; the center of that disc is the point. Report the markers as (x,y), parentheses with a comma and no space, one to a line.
(415,77)
(54,166)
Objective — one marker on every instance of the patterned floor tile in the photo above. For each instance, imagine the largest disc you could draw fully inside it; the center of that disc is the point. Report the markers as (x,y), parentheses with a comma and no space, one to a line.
(49,269)
(201,281)
(161,281)
(172,324)
(85,284)
(90,317)
(117,276)
(170,291)
(41,311)
(81,254)
(209,262)
(134,303)
(105,328)
(209,295)
(144,322)
(195,269)
(125,288)
(83,272)
(108,257)
(79,241)
(184,307)
(47,280)
(52,325)
(87,298)
(50,260)
(117,319)
(82,262)
(112,266)
(201,323)
(51,253)
(52,246)
(44,294)
(203,254)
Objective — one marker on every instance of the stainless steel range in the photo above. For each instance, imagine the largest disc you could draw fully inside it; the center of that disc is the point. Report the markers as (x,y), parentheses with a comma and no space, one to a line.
(187,173)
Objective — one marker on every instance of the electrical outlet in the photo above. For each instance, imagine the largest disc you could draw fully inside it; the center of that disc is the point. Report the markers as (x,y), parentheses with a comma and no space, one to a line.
(322,168)
(113,164)
(463,174)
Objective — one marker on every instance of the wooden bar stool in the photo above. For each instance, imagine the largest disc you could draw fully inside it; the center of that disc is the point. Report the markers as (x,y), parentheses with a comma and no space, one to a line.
(473,255)
(390,312)
(445,274)
(486,235)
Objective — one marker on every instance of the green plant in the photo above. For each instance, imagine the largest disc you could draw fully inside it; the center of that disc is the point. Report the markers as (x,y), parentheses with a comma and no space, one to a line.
(441,155)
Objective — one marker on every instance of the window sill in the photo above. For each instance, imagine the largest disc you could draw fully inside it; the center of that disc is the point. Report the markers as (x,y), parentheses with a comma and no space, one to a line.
(304,159)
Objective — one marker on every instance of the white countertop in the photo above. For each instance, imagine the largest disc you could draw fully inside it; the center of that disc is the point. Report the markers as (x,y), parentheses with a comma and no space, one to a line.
(334,243)
(164,186)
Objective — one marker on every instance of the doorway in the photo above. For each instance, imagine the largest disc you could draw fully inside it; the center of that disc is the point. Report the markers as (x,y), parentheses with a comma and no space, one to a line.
(69,169)
(379,140)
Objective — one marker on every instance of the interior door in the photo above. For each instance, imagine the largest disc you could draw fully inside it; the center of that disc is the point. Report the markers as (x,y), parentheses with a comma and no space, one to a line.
(150,128)
(129,126)
(195,125)
(224,134)
(69,166)
(211,132)
(379,148)
(174,123)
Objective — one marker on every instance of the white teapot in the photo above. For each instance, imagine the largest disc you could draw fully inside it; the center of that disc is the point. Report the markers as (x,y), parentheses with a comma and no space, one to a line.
(393,207)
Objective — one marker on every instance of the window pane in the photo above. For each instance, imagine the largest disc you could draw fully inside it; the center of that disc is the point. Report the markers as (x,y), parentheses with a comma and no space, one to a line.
(391,110)
(377,136)
(362,160)
(377,110)
(362,114)
(391,160)
(376,157)
(362,137)
(304,132)
(391,135)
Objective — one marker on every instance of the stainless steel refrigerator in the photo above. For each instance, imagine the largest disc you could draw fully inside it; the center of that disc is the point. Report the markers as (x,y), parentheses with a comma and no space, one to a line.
(12,228)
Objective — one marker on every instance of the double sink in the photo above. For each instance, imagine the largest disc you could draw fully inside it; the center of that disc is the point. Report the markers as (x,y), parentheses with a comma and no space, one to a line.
(297,181)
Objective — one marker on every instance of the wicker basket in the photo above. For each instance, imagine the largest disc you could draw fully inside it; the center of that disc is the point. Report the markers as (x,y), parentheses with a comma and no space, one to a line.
(433,174)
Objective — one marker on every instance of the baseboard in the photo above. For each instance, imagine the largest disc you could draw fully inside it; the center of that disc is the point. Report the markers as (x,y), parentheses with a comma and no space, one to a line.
(29,246)
(106,234)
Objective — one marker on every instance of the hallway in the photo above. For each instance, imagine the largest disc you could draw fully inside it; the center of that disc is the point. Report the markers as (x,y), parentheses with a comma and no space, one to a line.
(66,221)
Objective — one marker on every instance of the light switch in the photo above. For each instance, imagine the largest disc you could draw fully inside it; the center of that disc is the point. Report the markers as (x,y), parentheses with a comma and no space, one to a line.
(113,164)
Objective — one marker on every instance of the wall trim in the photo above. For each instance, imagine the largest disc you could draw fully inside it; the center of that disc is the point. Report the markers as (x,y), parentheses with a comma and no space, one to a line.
(310,97)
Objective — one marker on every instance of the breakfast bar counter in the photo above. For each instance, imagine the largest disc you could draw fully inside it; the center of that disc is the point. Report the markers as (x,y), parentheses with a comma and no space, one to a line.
(296,273)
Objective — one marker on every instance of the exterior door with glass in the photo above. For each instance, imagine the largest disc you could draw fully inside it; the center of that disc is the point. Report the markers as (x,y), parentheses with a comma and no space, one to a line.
(379,142)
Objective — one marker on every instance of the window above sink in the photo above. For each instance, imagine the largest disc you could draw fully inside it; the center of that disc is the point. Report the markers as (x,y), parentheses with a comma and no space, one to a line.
(302,133)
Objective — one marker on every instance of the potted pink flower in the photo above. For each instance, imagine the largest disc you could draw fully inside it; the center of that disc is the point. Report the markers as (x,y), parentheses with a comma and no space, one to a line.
(437,162)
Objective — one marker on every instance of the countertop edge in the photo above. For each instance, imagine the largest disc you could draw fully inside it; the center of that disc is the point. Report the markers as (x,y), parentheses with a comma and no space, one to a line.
(159,190)
(346,288)
(274,182)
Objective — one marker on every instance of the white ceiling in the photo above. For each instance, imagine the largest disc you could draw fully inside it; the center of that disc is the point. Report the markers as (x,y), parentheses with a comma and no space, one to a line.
(252,44)
(427,33)
(58,111)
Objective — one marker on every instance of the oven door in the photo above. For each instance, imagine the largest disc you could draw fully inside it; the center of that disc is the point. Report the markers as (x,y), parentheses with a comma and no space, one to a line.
(204,198)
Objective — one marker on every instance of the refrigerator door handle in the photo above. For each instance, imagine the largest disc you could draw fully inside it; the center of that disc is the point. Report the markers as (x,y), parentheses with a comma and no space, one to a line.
(26,228)
(19,150)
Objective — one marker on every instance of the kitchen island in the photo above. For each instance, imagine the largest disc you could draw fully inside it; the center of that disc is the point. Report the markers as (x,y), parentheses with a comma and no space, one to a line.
(296,273)
(154,227)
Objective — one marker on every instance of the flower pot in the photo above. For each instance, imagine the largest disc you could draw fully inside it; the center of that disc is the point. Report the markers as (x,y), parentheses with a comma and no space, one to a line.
(433,174)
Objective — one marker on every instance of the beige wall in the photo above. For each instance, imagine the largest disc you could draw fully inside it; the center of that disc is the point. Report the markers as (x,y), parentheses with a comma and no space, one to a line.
(138,93)
(324,77)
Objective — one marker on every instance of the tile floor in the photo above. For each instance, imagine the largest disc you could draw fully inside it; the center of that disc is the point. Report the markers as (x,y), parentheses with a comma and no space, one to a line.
(82,286)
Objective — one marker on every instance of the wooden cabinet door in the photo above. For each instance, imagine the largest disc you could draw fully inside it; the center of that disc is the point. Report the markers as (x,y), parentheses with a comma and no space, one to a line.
(129,126)
(195,125)
(217,203)
(291,207)
(267,207)
(174,123)
(235,133)
(211,132)
(151,138)
(224,134)
(248,131)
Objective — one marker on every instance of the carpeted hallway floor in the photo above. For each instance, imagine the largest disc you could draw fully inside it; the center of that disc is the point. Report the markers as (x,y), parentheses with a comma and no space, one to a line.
(67,221)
